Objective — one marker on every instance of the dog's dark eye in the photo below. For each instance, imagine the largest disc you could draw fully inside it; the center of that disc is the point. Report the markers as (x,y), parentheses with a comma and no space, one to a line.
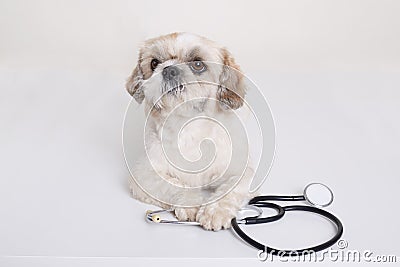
(154,63)
(197,66)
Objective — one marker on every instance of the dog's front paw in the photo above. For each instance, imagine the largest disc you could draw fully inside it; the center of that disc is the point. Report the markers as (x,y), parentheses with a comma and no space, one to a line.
(186,214)
(214,217)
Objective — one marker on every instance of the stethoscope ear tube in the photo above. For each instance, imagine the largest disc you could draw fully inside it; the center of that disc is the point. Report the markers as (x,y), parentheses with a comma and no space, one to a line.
(257,220)
(282,252)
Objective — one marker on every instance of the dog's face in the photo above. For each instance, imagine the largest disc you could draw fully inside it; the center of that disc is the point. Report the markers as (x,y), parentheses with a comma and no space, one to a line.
(179,67)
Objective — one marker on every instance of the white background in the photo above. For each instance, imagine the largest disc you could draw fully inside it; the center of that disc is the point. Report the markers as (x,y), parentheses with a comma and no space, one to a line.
(329,69)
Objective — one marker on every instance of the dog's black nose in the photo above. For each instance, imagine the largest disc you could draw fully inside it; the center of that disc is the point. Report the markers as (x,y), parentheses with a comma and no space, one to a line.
(170,72)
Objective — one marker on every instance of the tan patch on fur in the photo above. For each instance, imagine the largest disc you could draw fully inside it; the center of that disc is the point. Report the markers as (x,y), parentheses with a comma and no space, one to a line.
(151,50)
(134,83)
(232,88)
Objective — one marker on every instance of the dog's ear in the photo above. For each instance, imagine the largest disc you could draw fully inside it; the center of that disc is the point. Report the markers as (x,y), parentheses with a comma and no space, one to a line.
(134,83)
(231,89)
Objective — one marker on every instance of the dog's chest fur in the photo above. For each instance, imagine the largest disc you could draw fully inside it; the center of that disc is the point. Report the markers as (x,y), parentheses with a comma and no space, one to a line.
(193,150)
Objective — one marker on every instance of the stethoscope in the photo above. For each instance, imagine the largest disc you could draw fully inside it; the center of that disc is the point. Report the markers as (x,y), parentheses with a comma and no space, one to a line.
(317,195)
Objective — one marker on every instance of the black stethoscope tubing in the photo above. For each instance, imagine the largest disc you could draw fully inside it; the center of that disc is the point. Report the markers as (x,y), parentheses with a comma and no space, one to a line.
(260,201)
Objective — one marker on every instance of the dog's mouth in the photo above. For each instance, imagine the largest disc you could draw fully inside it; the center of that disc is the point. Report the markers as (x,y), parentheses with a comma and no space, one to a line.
(173,88)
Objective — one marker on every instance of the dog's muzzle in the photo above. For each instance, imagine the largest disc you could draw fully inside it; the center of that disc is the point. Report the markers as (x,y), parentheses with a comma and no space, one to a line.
(172,79)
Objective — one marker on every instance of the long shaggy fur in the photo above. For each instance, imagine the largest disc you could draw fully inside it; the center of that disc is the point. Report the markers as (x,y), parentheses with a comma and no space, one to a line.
(161,98)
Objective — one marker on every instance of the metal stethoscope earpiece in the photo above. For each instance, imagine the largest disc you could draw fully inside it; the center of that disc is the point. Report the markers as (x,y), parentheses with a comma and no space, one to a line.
(155,217)
(316,194)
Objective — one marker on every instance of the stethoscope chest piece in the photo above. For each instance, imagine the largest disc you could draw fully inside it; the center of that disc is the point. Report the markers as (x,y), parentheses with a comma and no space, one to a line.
(318,195)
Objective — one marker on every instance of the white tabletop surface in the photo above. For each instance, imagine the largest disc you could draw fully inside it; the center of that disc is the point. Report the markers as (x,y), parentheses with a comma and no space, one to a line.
(63,186)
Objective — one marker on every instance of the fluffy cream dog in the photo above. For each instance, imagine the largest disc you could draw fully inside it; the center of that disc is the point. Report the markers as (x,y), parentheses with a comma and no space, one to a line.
(181,76)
